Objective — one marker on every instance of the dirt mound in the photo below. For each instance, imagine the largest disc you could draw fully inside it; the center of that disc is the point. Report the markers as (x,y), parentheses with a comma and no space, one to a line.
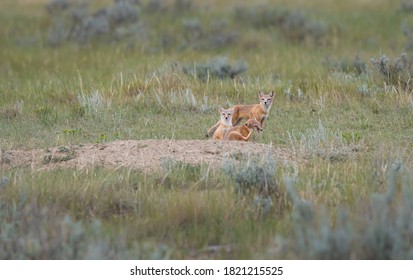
(146,155)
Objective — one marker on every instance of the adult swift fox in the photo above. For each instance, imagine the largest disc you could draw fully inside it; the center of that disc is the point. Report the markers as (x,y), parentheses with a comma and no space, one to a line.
(258,111)
(242,132)
(224,123)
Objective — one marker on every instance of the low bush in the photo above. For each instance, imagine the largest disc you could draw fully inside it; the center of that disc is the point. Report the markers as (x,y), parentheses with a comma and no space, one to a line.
(74,23)
(159,6)
(378,227)
(217,67)
(29,231)
(294,25)
(253,174)
(218,35)
(397,72)
(356,66)
(406,6)
(93,103)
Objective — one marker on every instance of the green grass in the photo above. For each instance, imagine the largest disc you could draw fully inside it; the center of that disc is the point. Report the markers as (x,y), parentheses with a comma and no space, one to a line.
(101,92)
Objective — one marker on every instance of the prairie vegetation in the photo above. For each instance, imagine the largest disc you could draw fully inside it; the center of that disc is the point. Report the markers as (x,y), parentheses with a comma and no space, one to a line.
(94,72)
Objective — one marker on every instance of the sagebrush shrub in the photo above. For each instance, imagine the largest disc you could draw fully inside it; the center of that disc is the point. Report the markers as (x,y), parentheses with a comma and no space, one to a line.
(218,35)
(73,22)
(159,6)
(377,227)
(356,66)
(253,174)
(397,72)
(297,27)
(217,67)
(406,6)
(294,25)
(93,103)
(54,6)
(28,231)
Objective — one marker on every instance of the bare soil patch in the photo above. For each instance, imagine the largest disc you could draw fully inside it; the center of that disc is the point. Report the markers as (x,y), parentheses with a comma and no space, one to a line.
(146,155)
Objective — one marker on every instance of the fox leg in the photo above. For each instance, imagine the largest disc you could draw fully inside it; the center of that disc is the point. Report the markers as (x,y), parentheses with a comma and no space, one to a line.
(262,121)
(212,129)
(236,122)
(236,119)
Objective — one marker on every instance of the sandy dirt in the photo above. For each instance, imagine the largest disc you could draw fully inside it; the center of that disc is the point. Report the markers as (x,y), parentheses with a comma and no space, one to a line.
(146,155)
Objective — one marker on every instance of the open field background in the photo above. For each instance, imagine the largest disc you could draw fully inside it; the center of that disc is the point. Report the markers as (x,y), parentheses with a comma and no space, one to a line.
(104,109)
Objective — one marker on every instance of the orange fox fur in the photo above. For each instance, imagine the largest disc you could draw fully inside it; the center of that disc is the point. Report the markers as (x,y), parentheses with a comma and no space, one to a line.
(224,124)
(243,132)
(258,111)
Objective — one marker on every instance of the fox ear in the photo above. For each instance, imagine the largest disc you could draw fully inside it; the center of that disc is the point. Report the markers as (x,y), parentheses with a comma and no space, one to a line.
(260,94)
(271,94)
(220,108)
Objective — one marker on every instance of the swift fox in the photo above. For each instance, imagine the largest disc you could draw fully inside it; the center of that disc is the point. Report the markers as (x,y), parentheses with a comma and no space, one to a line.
(242,132)
(223,124)
(258,111)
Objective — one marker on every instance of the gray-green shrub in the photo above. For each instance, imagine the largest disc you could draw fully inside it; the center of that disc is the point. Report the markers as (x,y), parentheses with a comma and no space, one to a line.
(217,67)
(29,231)
(71,22)
(379,227)
(397,72)
(356,66)
(252,174)
(294,25)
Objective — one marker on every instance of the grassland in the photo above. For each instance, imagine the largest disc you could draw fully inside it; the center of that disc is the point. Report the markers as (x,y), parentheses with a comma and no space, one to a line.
(349,124)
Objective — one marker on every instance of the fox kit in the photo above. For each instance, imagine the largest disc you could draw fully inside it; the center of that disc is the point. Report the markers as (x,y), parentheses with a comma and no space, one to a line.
(224,124)
(258,111)
(243,132)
